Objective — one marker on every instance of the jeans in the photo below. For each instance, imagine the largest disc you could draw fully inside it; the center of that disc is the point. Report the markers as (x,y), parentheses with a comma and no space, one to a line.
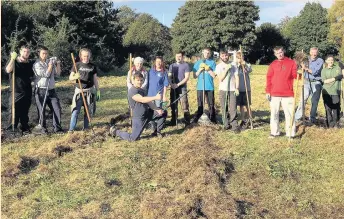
(313,90)
(138,125)
(53,102)
(174,94)
(75,113)
(228,98)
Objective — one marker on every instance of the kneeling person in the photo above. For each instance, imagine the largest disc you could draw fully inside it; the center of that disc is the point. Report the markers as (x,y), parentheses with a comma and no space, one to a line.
(144,110)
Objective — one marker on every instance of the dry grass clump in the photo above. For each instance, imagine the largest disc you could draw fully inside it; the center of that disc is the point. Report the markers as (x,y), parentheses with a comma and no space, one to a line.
(192,183)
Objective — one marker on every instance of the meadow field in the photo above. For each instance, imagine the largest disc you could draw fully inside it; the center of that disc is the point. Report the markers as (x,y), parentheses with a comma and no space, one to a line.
(197,172)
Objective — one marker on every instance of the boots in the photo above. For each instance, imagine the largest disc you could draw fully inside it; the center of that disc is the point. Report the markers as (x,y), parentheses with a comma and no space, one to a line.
(187,118)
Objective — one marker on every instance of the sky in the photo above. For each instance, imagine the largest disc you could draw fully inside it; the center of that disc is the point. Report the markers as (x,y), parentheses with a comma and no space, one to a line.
(270,11)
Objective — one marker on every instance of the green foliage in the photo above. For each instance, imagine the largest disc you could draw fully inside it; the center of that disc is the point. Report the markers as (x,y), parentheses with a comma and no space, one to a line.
(309,29)
(70,25)
(147,37)
(126,17)
(268,36)
(59,40)
(215,24)
(336,20)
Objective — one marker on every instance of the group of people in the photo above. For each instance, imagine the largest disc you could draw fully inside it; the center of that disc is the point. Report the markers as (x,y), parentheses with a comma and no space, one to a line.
(43,72)
(147,90)
(320,78)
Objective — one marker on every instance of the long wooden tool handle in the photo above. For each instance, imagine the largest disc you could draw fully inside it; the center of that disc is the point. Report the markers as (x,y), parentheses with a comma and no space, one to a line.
(82,92)
(13,96)
(293,112)
(247,98)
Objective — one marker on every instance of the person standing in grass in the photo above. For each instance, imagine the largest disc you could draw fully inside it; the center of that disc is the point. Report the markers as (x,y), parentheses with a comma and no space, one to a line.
(179,73)
(243,68)
(86,72)
(331,75)
(228,90)
(45,69)
(23,74)
(138,68)
(157,83)
(279,91)
(312,85)
(144,110)
(204,68)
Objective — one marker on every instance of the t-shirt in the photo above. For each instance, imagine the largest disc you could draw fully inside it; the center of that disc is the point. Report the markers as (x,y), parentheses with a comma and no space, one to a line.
(228,84)
(139,109)
(208,80)
(157,80)
(23,75)
(86,70)
(241,76)
(178,71)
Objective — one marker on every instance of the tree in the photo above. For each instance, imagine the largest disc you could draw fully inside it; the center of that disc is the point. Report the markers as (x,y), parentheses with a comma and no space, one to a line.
(336,33)
(59,40)
(309,29)
(268,36)
(215,24)
(147,37)
(95,25)
(126,17)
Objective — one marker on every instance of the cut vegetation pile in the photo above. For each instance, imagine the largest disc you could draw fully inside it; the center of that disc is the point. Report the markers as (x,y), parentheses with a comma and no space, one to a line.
(192,183)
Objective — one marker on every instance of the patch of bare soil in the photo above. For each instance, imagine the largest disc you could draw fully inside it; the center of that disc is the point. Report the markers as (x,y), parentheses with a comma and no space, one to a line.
(192,184)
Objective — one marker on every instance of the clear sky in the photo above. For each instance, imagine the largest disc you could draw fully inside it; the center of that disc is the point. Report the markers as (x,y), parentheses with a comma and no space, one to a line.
(270,11)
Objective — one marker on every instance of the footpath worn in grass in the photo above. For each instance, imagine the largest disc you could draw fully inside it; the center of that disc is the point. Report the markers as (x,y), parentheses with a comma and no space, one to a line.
(201,172)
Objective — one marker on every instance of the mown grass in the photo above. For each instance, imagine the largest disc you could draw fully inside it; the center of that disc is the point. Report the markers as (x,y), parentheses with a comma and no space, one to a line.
(201,172)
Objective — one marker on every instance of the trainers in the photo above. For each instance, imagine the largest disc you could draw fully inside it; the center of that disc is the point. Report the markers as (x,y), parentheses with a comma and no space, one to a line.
(273,136)
(160,135)
(59,132)
(172,123)
(26,132)
(236,130)
(112,131)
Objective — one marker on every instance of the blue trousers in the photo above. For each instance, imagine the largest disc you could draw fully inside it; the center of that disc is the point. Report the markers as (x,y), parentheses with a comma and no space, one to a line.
(313,90)
(138,124)
(75,113)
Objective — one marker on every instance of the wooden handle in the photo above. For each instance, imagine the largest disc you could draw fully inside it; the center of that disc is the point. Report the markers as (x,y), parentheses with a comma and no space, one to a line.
(13,95)
(82,92)
(130,69)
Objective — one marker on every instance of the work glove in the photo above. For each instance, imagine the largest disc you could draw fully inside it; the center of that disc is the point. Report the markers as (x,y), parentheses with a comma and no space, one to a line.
(206,67)
(268,97)
(236,92)
(13,55)
(75,76)
(98,95)
(164,104)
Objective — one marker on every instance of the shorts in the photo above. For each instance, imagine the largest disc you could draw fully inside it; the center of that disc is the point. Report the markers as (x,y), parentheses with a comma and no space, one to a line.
(242,99)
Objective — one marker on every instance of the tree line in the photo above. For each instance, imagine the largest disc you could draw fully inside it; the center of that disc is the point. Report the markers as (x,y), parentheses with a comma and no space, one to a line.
(111,33)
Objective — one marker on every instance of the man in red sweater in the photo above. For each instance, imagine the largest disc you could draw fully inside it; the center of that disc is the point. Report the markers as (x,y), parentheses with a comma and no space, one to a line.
(279,91)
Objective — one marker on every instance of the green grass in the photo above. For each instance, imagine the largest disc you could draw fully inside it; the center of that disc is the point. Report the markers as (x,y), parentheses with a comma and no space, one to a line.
(201,172)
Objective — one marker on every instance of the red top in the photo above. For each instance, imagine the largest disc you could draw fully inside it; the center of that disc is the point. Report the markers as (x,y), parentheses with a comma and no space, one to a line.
(280,78)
